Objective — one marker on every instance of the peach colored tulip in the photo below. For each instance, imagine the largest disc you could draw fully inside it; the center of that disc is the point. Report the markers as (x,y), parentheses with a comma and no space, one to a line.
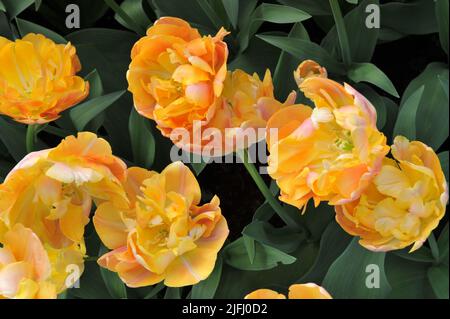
(297,291)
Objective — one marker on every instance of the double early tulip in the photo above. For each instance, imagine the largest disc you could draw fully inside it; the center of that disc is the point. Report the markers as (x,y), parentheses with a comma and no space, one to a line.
(403,204)
(29,270)
(164,235)
(51,191)
(297,291)
(327,153)
(38,79)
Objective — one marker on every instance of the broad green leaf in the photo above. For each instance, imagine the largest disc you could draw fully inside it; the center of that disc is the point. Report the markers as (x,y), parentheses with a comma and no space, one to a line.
(82,114)
(113,283)
(155,290)
(5,168)
(142,140)
(95,84)
(283,82)
(444,158)
(438,277)
(408,279)
(13,136)
(232,10)
(422,255)
(249,244)
(316,219)
(442,19)
(443,245)
(26,27)
(91,284)
(264,212)
(362,40)
(212,14)
(368,72)
(172,293)
(15,7)
(313,7)
(406,120)
(333,242)
(2,6)
(206,289)
(235,254)
(391,117)
(129,22)
(412,17)
(284,239)
(269,13)
(304,50)
(350,274)
(432,119)
(135,10)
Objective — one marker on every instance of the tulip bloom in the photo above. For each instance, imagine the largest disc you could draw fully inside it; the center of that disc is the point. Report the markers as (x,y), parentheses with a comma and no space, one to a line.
(164,235)
(38,79)
(329,153)
(297,291)
(29,271)
(51,191)
(403,204)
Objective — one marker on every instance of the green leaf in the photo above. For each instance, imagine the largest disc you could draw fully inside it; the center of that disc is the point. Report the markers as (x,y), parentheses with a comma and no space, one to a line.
(232,10)
(284,238)
(235,254)
(206,289)
(155,290)
(432,119)
(443,245)
(13,136)
(438,277)
(92,285)
(287,64)
(408,279)
(95,84)
(26,27)
(349,274)
(173,293)
(368,72)
(264,212)
(391,117)
(142,140)
(135,10)
(313,7)
(113,283)
(442,19)
(332,244)
(128,21)
(406,120)
(82,114)
(2,6)
(198,167)
(362,40)
(15,7)
(444,158)
(422,255)
(304,50)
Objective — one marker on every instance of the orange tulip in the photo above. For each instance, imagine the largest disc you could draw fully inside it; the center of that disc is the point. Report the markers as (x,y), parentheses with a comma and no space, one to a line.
(403,204)
(297,291)
(38,79)
(164,235)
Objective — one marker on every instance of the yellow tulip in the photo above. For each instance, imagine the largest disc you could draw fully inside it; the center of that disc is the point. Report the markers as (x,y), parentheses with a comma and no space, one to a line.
(327,153)
(51,191)
(29,271)
(297,291)
(38,79)
(164,235)
(403,204)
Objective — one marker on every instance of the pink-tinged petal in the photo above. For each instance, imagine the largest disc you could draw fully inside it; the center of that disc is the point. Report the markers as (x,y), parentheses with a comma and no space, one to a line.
(215,241)
(110,226)
(11,275)
(364,104)
(28,161)
(179,179)
(6,257)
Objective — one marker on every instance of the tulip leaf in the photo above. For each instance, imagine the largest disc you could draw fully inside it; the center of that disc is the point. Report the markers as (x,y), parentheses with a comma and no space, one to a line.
(407,278)
(333,242)
(232,10)
(142,140)
(95,90)
(113,283)
(26,27)
(442,9)
(14,7)
(172,293)
(432,118)
(135,10)
(206,289)
(357,273)
(362,39)
(264,212)
(368,72)
(82,114)
(443,246)
(406,119)
(5,167)
(438,277)
(422,255)
(304,50)
(391,117)
(266,257)
(155,290)
(313,7)
(13,136)
(92,285)
(282,238)
(444,158)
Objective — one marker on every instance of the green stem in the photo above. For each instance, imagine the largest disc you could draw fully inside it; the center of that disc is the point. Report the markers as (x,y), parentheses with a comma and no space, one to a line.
(281,212)
(342,32)
(91,258)
(434,247)
(125,17)
(31,137)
